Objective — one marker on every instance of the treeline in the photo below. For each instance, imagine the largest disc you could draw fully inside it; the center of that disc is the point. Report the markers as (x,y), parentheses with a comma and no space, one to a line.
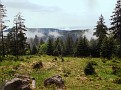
(107,44)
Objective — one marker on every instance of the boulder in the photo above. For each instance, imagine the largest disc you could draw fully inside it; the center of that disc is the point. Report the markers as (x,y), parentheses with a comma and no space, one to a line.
(57,80)
(21,82)
(17,84)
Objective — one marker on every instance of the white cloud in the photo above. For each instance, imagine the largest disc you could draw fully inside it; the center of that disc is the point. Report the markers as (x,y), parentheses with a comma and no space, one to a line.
(61,13)
(32,35)
(26,5)
(89,34)
(55,34)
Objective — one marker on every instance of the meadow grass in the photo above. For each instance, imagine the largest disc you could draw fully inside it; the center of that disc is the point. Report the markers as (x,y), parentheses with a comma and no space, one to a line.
(71,70)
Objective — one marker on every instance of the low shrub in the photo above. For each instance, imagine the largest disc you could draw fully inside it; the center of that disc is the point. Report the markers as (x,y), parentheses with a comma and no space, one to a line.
(117,80)
(37,65)
(116,70)
(89,69)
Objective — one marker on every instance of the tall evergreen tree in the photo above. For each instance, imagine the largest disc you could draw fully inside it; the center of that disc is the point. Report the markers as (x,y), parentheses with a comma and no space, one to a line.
(69,46)
(57,47)
(100,33)
(17,37)
(62,47)
(34,50)
(101,29)
(50,47)
(107,47)
(2,27)
(116,21)
(82,49)
(11,42)
(94,49)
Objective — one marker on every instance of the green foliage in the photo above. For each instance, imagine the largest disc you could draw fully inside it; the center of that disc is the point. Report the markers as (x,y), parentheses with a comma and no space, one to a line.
(89,69)
(16,40)
(116,70)
(57,48)
(68,46)
(117,51)
(116,21)
(43,49)
(11,57)
(50,47)
(21,43)
(100,28)
(34,50)
(107,48)
(71,71)
(94,48)
(82,49)
(100,32)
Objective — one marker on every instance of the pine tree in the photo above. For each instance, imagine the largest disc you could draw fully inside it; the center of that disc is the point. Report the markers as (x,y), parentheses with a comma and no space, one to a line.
(116,22)
(2,27)
(107,47)
(17,37)
(20,35)
(34,50)
(82,49)
(100,33)
(100,29)
(57,48)
(11,42)
(62,47)
(69,46)
(50,47)
(94,48)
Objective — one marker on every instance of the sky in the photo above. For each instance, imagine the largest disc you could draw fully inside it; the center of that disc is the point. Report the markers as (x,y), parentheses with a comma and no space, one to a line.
(60,13)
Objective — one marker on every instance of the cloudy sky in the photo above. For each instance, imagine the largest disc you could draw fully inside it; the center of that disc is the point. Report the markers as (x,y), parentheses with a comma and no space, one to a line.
(60,13)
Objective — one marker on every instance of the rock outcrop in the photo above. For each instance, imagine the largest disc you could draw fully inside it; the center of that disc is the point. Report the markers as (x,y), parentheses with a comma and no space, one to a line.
(57,80)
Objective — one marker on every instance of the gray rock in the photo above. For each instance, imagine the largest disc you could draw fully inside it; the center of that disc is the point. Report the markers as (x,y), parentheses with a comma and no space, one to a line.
(17,84)
(57,80)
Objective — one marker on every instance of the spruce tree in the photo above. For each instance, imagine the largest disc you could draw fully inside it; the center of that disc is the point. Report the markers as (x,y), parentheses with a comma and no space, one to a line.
(107,47)
(50,47)
(94,49)
(82,49)
(57,47)
(69,46)
(34,50)
(16,37)
(101,31)
(116,26)
(116,22)
(2,27)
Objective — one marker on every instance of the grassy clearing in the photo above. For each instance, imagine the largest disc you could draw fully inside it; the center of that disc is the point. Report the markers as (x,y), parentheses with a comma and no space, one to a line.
(72,71)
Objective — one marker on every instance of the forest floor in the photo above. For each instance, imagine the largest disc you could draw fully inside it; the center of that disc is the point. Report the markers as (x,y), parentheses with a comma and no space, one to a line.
(71,70)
